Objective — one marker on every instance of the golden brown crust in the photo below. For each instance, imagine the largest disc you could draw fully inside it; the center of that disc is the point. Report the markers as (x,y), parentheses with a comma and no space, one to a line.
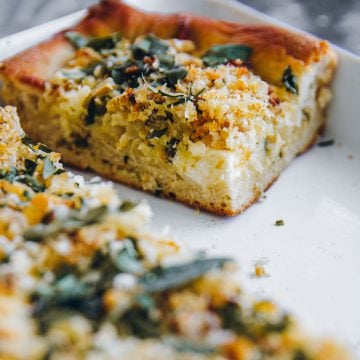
(32,67)
(211,208)
(274,48)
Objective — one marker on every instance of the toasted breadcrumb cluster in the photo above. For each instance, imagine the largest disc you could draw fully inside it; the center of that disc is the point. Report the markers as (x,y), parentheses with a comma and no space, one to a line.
(81,276)
(163,104)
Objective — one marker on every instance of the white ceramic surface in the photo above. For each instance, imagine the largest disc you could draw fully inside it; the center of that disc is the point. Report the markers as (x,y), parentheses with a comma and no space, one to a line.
(314,260)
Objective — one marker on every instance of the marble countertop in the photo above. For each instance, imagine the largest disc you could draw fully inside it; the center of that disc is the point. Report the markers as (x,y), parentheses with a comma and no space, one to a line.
(337,21)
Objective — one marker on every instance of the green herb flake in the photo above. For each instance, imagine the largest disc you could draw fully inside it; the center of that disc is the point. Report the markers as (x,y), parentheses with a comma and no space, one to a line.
(166,278)
(95,108)
(28,141)
(167,61)
(158,191)
(156,133)
(30,166)
(233,319)
(127,259)
(73,222)
(76,39)
(279,222)
(127,206)
(9,175)
(326,143)
(140,323)
(174,75)
(49,168)
(221,54)
(44,148)
(300,355)
(31,182)
(26,195)
(171,148)
(290,81)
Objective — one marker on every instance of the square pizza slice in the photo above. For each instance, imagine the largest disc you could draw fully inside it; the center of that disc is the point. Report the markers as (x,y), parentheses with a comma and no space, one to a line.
(204,111)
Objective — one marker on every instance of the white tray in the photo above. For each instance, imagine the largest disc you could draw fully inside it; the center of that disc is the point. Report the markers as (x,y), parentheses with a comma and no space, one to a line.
(314,260)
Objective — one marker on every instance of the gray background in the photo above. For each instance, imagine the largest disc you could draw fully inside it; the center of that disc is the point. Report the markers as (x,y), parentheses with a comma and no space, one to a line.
(335,20)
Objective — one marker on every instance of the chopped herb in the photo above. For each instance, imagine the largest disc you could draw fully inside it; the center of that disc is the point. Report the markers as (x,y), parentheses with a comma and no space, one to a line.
(221,54)
(59,171)
(28,141)
(173,75)
(140,323)
(279,326)
(9,175)
(326,143)
(31,182)
(165,278)
(49,168)
(171,148)
(255,326)
(290,81)
(158,191)
(95,108)
(30,166)
(279,222)
(127,259)
(26,195)
(185,345)
(73,222)
(127,206)
(156,133)
(300,355)
(44,148)
(145,301)
(14,175)
(232,318)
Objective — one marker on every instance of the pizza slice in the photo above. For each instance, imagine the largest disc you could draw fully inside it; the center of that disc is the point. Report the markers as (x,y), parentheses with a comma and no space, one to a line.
(82,277)
(203,111)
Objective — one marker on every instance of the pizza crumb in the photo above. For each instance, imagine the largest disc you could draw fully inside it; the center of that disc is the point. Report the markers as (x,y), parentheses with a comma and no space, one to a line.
(259,269)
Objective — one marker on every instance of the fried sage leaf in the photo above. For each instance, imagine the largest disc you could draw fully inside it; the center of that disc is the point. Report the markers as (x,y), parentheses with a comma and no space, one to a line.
(97,43)
(149,46)
(165,278)
(221,54)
